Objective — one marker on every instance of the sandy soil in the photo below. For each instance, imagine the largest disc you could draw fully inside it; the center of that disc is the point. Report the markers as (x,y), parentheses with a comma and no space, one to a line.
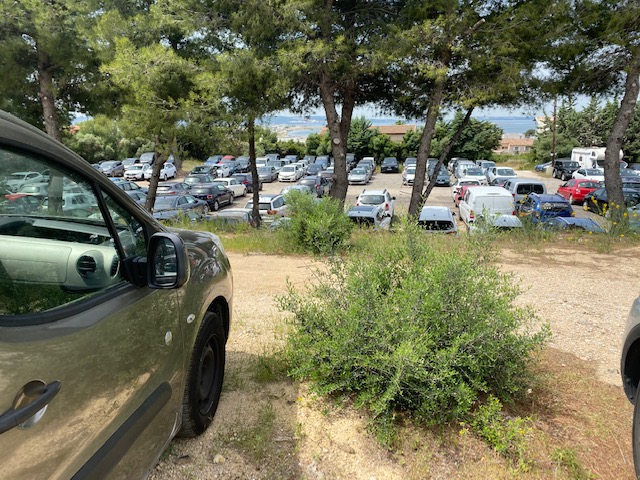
(584,296)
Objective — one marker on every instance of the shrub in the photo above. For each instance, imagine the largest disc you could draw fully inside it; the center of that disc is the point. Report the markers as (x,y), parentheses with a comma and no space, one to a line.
(411,326)
(317,225)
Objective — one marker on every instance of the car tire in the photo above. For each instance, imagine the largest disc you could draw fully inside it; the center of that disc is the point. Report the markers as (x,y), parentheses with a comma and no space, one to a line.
(571,200)
(565,177)
(555,174)
(204,377)
(231,198)
(205,210)
(585,206)
(216,206)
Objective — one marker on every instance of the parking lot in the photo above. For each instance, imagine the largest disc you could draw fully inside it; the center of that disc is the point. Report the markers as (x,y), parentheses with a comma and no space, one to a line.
(439,195)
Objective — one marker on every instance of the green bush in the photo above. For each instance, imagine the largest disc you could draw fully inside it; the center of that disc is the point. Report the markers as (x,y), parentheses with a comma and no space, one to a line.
(317,225)
(415,324)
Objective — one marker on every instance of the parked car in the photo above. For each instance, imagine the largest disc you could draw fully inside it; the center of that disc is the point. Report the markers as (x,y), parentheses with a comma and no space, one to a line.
(314,169)
(381,198)
(541,207)
(438,219)
(442,178)
(322,160)
(206,169)
(267,174)
(485,202)
(630,373)
(456,189)
(491,223)
(595,174)
(574,223)
(597,200)
(520,187)
(495,174)
(139,171)
(410,161)
(242,164)
(215,194)
(171,207)
(127,162)
(270,207)
(233,216)
(298,188)
(223,170)
(130,186)
(564,168)
(541,167)
(485,165)
(462,166)
(389,165)
(168,171)
(117,342)
(18,204)
(236,186)
(148,158)
(172,188)
(370,216)
(289,173)
(198,179)
(16,180)
(78,205)
(575,190)
(39,190)
(213,159)
(137,196)
(473,172)
(320,184)
(358,176)
(351,160)
(247,180)
(112,168)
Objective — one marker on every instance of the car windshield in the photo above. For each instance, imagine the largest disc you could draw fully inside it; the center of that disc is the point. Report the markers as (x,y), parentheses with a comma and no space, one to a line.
(135,167)
(436,224)
(593,171)
(411,170)
(505,171)
(165,202)
(474,171)
(358,171)
(589,185)
(288,168)
(264,169)
(372,199)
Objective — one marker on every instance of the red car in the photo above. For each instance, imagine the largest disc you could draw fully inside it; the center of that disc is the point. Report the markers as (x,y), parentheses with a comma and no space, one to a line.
(461,192)
(577,188)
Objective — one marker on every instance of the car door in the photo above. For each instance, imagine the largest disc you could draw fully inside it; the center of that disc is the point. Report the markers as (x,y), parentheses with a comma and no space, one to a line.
(91,363)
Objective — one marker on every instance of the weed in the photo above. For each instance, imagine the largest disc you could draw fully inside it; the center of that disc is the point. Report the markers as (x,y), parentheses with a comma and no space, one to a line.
(256,439)
(568,459)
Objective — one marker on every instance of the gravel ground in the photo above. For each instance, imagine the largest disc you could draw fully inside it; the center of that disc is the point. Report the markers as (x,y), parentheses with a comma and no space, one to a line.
(584,296)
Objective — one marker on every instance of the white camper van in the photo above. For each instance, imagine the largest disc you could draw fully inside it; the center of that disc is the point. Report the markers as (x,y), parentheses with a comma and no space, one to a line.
(592,157)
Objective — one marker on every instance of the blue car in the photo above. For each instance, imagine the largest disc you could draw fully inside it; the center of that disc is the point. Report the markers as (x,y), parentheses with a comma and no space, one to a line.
(574,223)
(540,207)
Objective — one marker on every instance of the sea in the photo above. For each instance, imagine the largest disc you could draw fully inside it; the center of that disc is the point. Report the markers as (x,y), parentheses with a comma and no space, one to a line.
(299,127)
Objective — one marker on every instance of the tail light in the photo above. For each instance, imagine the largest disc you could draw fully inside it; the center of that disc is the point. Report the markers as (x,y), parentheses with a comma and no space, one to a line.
(471,215)
(513,213)
(386,207)
(271,212)
(209,197)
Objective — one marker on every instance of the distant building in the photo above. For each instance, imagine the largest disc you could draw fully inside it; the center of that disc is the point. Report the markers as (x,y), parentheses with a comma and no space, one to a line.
(395,132)
(515,145)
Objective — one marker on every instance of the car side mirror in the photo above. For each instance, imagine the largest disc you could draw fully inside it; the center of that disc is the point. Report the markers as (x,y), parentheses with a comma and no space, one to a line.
(167,261)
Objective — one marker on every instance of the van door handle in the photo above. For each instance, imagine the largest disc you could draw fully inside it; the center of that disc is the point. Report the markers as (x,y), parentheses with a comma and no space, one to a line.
(16,416)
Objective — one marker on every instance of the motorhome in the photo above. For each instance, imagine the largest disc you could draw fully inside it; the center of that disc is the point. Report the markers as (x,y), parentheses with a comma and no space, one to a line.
(592,157)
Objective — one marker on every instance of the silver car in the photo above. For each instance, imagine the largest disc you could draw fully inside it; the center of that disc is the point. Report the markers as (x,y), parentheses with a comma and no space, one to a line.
(113,327)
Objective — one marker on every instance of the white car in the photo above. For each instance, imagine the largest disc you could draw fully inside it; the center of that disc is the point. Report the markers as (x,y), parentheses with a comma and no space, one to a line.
(438,219)
(168,171)
(495,174)
(290,173)
(18,179)
(223,170)
(381,198)
(358,176)
(476,174)
(408,175)
(139,171)
(238,188)
(595,174)
(461,182)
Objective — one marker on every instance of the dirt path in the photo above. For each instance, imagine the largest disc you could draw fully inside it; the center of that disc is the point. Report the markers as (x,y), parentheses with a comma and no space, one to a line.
(584,297)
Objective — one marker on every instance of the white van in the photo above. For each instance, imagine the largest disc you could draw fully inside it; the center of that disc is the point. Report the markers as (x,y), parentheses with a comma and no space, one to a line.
(483,201)
(521,187)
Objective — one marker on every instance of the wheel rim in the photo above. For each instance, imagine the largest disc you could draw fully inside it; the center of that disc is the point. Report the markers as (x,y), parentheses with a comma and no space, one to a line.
(570,198)
(215,205)
(207,376)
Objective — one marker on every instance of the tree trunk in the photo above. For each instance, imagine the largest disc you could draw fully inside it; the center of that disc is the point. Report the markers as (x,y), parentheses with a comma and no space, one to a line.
(338,138)
(427,135)
(46,93)
(255,194)
(445,154)
(158,161)
(612,180)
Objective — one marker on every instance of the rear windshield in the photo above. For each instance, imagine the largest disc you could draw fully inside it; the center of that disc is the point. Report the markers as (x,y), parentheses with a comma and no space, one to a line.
(526,188)
(372,199)
(362,221)
(436,224)
(554,206)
